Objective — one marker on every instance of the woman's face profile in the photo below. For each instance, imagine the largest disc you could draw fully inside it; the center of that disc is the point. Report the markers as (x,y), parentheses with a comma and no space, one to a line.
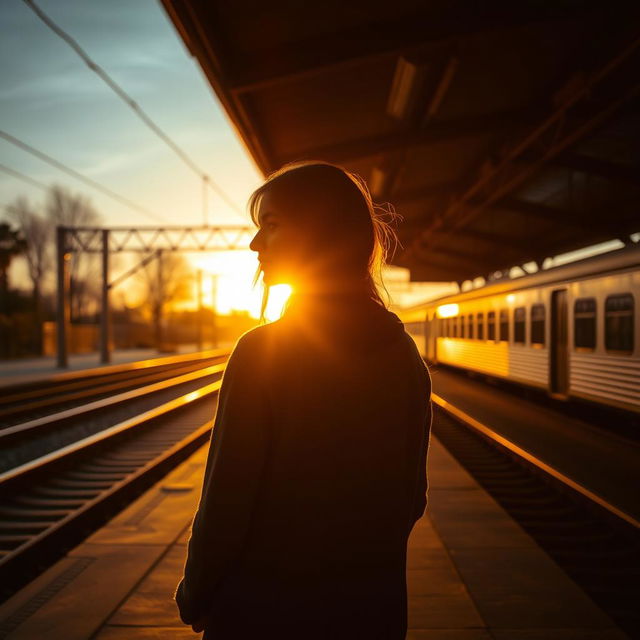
(279,244)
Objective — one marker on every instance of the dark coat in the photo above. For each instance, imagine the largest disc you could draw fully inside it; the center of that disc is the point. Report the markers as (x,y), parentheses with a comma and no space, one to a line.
(315,476)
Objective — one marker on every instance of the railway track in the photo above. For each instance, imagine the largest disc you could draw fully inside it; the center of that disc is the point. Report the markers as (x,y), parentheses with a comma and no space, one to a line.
(50,503)
(34,438)
(31,400)
(595,543)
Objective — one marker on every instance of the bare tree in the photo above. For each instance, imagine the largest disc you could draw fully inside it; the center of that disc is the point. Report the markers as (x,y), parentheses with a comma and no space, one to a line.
(74,210)
(166,280)
(12,244)
(38,234)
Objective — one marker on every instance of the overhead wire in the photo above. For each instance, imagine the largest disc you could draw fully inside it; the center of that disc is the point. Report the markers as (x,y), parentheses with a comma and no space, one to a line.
(23,177)
(132,104)
(79,176)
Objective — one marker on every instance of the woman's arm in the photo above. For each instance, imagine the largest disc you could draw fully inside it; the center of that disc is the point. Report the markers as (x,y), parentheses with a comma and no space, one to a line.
(422,485)
(237,454)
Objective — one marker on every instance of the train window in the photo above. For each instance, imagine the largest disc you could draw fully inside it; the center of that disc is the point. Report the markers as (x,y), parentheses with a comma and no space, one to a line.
(470,327)
(480,329)
(463,326)
(519,317)
(504,325)
(584,324)
(491,325)
(618,323)
(537,324)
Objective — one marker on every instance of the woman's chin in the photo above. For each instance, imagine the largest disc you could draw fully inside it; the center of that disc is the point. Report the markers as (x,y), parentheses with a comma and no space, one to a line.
(272,280)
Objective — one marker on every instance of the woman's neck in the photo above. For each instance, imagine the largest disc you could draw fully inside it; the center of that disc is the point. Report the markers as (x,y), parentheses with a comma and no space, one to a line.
(335,287)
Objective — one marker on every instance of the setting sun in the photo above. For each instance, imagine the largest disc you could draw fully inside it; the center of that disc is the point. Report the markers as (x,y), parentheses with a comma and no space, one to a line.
(278,296)
(227,284)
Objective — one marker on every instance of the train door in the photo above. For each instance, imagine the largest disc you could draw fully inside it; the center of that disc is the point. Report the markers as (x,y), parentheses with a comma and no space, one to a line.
(559,352)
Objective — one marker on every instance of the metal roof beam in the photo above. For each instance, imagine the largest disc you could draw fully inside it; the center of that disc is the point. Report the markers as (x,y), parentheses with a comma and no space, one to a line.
(564,217)
(614,171)
(273,66)
(556,133)
(438,189)
(354,150)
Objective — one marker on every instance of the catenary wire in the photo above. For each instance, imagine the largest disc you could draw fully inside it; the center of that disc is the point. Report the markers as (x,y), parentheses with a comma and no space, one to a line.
(72,172)
(23,177)
(131,103)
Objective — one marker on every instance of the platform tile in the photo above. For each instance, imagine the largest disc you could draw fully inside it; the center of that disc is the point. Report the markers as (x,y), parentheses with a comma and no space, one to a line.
(152,601)
(524,588)
(471,518)
(445,471)
(76,610)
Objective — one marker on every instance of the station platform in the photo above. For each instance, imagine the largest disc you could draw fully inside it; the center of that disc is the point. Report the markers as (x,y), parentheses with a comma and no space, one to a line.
(472,573)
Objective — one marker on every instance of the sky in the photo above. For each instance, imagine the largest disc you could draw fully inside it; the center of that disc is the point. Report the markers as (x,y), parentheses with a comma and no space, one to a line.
(52,101)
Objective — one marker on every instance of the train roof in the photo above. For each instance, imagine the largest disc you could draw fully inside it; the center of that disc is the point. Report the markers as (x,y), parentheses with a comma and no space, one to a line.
(502,131)
(622,259)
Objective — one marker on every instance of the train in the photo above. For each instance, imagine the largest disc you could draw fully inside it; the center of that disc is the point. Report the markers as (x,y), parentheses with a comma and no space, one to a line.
(570,330)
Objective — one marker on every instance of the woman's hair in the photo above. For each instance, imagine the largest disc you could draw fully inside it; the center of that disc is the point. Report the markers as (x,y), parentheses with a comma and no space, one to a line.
(334,208)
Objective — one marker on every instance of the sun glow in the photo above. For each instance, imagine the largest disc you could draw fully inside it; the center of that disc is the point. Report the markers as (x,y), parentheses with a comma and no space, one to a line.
(278,296)
(227,283)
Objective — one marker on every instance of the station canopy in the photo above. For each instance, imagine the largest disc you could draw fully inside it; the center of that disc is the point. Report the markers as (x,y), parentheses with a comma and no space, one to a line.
(502,132)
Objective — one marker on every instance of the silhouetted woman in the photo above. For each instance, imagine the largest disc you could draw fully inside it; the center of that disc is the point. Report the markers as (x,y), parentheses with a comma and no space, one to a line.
(317,464)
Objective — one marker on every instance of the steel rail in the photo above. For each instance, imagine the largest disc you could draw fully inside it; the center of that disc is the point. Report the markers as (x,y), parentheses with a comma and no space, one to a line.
(76,517)
(34,388)
(55,419)
(63,396)
(558,476)
(84,444)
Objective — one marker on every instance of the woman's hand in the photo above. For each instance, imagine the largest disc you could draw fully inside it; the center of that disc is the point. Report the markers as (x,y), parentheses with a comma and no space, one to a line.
(198,625)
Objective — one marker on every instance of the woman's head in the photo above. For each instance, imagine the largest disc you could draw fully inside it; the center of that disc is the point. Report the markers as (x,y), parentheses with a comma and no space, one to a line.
(319,230)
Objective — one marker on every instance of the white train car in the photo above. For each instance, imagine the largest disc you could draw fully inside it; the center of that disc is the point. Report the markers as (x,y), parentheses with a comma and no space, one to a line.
(571,330)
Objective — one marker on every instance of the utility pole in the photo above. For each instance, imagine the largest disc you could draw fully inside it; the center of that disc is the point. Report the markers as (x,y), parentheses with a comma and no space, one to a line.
(63,310)
(105,350)
(159,304)
(151,241)
(199,312)
(214,310)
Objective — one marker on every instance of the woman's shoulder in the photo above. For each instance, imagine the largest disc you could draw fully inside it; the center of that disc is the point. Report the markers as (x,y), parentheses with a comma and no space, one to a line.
(255,342)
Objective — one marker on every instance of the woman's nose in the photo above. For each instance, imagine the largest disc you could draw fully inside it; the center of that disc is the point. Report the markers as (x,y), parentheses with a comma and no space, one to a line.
(256,242)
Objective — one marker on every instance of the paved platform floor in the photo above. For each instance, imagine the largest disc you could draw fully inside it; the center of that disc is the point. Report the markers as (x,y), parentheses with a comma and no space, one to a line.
(472,573)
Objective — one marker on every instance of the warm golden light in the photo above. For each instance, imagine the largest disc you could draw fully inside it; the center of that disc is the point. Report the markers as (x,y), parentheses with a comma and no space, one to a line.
(447,310)
(232,288)
(278,296)
(511,298)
